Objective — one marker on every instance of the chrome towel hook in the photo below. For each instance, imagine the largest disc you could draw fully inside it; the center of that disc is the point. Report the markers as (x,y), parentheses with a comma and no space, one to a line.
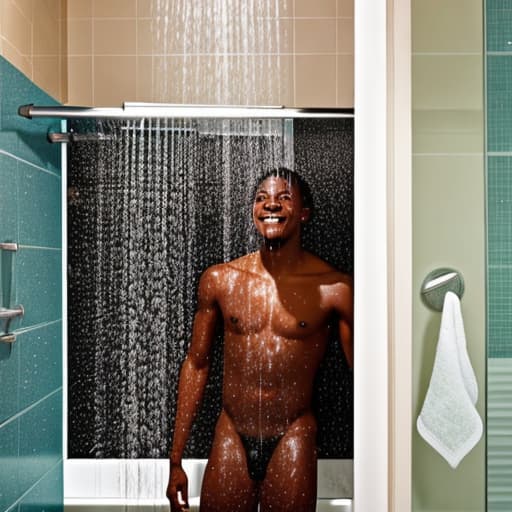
(438,283)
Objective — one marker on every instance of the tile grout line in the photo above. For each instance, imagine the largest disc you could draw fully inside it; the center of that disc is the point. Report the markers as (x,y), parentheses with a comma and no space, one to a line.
(19,159)
(19,414)
(15,504)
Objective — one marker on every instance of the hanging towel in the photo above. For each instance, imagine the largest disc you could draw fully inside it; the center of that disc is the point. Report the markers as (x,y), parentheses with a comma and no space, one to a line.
(448,420)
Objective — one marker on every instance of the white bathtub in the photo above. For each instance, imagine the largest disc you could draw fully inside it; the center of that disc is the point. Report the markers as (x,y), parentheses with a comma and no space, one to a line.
(139,485)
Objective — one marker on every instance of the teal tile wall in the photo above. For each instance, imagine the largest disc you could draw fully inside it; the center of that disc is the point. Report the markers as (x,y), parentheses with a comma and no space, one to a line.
(499,176)
(31,369)
(499,25)
(499,106)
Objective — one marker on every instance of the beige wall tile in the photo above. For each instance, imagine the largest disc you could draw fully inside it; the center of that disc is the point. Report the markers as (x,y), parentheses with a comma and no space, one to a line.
(275,84)
(80,36)
(64,78)
(114,80)
(315,36)
(79,8)
(144,79)
(47,74)
(227,79)
(345,82)
(46,28)
(17,29)
(315,80)
(64,52)
(286,77)
(147,40)
(316,9)
(80,83)
(26,7)
(269,36)
(272,84)
(286,8)
(345,35)
(23,63)
(285,42)
(146,8)
(167,79)
(169,38)
(114,8)
(114,37)
(346,8)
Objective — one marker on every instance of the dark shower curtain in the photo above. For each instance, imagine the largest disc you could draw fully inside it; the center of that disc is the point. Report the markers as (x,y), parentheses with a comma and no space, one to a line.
(152,204)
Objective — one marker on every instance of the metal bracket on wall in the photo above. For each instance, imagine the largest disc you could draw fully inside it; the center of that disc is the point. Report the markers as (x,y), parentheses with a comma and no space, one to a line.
(8,314)
(438,283)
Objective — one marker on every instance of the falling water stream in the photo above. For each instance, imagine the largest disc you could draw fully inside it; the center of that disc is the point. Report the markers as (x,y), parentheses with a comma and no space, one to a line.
(152,203)
(221,52)
(150,207)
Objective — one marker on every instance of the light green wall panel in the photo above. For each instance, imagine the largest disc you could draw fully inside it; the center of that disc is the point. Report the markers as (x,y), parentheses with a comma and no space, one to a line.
(448,230)
(447,26)
(448,222)
(447,82)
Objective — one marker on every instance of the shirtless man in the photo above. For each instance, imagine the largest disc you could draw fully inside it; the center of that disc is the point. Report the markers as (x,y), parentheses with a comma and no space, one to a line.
(277,306)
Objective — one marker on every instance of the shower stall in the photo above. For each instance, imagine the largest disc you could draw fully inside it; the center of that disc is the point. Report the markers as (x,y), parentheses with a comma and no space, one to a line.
(155,194)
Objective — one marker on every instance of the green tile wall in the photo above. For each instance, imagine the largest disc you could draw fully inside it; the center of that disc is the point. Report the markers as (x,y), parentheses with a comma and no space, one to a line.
(499,253)
(499,106)
(499,176)
(31,369)
(499,25)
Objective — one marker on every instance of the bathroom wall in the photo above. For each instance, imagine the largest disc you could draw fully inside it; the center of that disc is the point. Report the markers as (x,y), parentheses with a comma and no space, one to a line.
(33,39)
(311,65)
(31,368)
(448,221)
(105,52)
(499,262)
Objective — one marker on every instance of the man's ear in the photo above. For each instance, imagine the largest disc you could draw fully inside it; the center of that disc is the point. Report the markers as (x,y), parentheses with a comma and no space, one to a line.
(305,215)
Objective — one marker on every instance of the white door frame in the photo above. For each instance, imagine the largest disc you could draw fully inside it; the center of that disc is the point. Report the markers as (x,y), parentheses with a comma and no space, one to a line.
(383,257)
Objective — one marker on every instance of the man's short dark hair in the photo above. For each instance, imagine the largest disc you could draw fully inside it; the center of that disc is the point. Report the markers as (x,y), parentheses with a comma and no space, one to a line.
(294,178)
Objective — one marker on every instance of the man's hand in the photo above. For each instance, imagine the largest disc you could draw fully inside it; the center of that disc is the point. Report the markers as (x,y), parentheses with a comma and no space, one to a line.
(177,490)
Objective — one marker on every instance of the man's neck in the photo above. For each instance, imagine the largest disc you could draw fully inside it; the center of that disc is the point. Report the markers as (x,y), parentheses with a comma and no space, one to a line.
(279,257)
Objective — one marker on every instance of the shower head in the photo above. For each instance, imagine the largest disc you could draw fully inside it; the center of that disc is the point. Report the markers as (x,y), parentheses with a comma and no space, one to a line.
(58,137)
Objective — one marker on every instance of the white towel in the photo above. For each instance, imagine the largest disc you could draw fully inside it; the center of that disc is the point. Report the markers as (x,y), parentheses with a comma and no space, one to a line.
(448,420)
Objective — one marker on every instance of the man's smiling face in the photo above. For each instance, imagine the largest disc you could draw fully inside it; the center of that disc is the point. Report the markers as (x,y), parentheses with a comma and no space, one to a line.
(278,210)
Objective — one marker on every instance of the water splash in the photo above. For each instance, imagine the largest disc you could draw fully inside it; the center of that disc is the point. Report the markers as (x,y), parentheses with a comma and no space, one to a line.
(160,201)
(220,52)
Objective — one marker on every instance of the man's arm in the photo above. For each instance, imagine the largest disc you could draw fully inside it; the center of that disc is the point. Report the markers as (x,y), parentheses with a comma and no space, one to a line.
(192,382)
(344,306)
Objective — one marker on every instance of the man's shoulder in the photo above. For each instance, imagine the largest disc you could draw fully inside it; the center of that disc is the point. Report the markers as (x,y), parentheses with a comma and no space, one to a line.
(242,264)
(325,272)
(245,262)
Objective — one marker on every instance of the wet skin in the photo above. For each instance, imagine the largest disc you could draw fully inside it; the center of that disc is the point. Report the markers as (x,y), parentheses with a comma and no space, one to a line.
(276,306)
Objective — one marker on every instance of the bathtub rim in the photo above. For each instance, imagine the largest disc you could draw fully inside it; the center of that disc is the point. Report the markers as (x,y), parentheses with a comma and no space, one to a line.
(146,479)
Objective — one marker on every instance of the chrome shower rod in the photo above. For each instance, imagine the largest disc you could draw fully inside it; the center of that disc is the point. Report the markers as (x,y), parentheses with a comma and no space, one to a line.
(145,110)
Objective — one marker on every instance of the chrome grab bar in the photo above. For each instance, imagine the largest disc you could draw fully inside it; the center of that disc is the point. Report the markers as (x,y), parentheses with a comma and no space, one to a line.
(8,246)
(9,314)
(8,338)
